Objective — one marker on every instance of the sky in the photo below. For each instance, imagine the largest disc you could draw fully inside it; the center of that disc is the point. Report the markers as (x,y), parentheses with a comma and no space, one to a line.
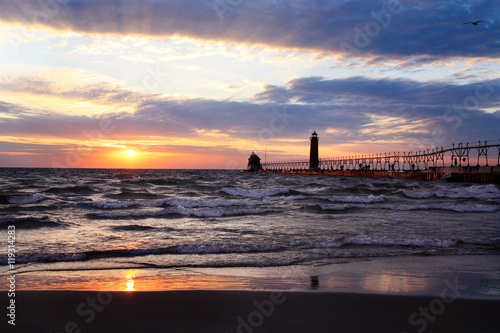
(203,83)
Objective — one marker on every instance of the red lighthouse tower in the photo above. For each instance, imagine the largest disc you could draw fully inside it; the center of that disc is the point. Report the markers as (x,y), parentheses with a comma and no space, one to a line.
(314,156)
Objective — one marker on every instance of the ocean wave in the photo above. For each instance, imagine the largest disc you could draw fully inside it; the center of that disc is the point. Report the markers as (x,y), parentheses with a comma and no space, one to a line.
(198,212)
(161,181)
(126,193)
(416,194)
(489,191)
(320,245)
(136,180)
(207,248)
(481,192)
(241,192)
(287,198)
(132,227)
(191,203)
(72,190)
(58,257)
(118,253)
(356,199)
(110,204)
(462,208)
(26,199)
(182,203)
(30,222)
(217,249)
(336,207)
(373,240)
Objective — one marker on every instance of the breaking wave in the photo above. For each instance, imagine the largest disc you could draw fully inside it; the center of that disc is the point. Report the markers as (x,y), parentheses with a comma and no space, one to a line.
(21,199)
(30,222)
(372,240)
(463,208)
(481,192)
(356,199)
(198,212)
(71,190)
(206,249)
(241,192)
(416,194)
(186,203)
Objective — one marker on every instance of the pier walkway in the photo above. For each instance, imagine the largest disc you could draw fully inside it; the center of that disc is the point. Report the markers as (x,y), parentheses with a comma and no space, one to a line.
(467,162)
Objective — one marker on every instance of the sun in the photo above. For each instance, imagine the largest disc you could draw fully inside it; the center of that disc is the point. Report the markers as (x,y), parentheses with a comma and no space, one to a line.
(130,153)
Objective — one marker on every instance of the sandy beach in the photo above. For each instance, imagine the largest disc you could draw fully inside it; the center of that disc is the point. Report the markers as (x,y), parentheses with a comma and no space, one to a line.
(244,311)
(385,295)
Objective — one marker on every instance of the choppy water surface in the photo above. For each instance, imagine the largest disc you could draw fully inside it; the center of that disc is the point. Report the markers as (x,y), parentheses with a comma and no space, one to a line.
(77,218)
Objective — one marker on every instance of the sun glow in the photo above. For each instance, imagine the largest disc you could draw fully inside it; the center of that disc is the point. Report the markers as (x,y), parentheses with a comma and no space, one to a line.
(130,280)
(130,153)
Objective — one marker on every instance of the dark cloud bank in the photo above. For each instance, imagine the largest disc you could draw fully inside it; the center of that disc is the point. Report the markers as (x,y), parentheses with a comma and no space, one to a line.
(391,28)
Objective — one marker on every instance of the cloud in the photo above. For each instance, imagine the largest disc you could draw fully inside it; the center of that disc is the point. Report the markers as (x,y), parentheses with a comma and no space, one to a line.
(313,90)
(355,109)
(360,109)
(391,29)
(96,92)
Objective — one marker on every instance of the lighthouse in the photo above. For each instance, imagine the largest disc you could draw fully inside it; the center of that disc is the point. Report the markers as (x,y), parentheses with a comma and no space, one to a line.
(313,156)
(254,163)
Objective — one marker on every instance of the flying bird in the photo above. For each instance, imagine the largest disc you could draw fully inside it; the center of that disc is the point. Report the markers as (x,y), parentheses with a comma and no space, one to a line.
(475,23)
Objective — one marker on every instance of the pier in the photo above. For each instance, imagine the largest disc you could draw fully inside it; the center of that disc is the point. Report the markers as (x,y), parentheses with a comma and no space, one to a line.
(468,162)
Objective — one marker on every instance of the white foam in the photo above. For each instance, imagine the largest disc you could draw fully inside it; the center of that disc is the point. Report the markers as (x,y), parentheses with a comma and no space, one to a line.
(217,212)
(489,191)
(462,208)
(198,249)
(405,207)
(373,240)
(335,207)
(470,208)
(109,204)
(357,199)
(287,198)
(416,194)
(198,212)
(321,245)
(255,193)
(186,203)
(190,203)
(138,179)
(27,199)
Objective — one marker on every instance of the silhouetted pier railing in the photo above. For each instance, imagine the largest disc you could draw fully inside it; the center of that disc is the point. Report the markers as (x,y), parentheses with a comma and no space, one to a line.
(461,155)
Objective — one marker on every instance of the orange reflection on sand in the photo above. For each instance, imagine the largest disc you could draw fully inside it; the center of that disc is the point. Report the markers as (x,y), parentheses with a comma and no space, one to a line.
(387,283)
(137,280)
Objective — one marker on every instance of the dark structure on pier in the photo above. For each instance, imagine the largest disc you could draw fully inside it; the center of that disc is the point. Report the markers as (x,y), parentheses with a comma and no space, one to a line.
(314,155)
(254,163)
(426,164)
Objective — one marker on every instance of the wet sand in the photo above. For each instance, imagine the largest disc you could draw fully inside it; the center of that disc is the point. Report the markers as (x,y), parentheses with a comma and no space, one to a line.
(246,311)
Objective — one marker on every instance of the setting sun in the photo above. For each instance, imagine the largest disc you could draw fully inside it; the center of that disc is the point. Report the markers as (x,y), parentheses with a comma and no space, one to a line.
(130,153)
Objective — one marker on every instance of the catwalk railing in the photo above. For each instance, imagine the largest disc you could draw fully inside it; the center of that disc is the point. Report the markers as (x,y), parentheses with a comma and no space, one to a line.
(460,155)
